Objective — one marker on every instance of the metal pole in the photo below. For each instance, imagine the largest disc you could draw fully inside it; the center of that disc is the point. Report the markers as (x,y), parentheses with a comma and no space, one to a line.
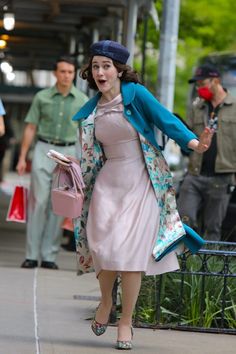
(145,31)
(131,28)
(168,47)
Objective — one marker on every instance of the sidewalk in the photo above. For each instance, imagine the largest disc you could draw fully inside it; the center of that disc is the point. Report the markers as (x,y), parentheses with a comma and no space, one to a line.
(48,312)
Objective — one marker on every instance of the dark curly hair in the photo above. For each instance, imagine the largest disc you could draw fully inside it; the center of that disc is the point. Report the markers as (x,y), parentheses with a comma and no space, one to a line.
(128,74)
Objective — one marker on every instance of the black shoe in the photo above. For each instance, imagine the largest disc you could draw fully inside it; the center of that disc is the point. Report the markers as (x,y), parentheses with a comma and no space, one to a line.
(29,263)
(69,247)
(49,265)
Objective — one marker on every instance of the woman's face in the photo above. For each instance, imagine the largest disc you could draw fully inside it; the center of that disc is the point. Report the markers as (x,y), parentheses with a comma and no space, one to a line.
(105,75)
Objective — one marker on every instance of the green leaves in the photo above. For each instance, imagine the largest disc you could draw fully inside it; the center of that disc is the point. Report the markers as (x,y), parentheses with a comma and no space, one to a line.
(194,300)
(204,27)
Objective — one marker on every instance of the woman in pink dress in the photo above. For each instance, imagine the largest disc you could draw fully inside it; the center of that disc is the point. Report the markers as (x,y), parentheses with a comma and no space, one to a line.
(125,211)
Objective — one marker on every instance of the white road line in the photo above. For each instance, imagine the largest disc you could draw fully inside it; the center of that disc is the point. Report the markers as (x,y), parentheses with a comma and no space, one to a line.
(37,344)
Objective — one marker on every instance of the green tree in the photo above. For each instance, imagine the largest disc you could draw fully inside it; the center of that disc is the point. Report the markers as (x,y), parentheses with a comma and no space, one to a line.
(204,27)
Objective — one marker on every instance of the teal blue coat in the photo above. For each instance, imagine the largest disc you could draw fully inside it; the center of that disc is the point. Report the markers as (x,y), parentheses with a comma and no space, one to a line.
(143,111)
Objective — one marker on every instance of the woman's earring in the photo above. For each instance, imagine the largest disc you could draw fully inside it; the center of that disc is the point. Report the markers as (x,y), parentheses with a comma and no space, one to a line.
(120,74)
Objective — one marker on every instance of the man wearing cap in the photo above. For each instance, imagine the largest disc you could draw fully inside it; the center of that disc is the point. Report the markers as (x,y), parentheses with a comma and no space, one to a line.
(50,119)
(211,175)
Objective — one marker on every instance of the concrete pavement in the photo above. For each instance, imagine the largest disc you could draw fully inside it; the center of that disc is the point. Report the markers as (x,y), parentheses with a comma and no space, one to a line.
(48,312)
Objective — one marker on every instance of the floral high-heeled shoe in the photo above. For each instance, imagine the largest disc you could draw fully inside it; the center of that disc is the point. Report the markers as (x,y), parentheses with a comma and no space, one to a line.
(125,344)
(98,328)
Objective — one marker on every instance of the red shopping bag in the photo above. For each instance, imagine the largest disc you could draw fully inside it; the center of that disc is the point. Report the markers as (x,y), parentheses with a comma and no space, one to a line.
(17,210)
(67,224)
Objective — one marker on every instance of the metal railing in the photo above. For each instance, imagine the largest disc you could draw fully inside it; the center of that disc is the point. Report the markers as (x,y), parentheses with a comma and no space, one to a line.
(201,296)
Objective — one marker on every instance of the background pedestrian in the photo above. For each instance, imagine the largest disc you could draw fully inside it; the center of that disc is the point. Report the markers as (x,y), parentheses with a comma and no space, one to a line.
(50,120)
(207,187)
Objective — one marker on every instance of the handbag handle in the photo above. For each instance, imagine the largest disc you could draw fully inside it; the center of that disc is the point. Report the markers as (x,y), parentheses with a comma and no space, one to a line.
(76,186)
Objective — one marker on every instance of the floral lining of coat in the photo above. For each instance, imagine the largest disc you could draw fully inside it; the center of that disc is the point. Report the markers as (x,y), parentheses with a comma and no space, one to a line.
(170,229)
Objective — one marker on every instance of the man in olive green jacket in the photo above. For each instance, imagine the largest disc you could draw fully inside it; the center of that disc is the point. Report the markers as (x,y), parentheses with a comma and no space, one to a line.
(211,176)
(50,119)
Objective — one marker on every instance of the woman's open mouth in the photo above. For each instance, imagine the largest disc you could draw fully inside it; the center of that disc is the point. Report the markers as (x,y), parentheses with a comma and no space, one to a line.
(101,82)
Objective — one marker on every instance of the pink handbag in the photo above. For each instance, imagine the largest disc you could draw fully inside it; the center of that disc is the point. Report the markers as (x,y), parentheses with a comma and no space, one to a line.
(67,194)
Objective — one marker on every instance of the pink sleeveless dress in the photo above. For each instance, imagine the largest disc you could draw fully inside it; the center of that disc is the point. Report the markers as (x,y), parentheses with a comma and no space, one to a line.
(123,217)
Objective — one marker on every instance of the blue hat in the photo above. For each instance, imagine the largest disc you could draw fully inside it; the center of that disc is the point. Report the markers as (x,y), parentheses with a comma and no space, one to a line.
(110,49)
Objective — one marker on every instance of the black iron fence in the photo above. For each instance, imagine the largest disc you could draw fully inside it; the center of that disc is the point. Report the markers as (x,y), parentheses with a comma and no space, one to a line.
(200,296)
